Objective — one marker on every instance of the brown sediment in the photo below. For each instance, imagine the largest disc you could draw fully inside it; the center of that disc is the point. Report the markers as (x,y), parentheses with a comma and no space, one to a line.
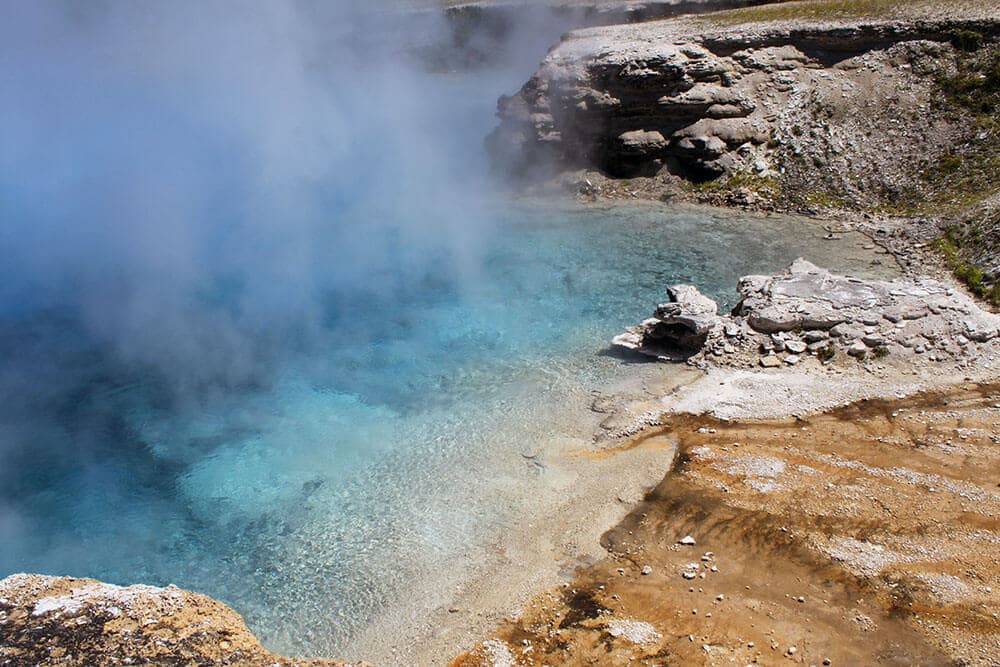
(866,535)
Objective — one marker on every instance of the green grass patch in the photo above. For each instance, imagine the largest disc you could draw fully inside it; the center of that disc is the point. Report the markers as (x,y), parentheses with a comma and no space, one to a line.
(950,247)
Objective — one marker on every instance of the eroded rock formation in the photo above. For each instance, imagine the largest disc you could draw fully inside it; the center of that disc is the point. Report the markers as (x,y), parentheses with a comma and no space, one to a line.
(677,329)
(808,310)
(840,110)
(67,621)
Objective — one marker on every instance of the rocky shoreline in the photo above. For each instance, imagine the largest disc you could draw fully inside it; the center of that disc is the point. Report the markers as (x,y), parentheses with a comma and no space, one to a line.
(809,311)
(811,110)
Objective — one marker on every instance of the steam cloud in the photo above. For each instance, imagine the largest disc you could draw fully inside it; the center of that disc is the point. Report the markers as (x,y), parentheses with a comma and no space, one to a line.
(204,191)
(193,178)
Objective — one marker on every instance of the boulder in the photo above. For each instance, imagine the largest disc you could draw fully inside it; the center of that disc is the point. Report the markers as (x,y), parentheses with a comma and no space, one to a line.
(677,329)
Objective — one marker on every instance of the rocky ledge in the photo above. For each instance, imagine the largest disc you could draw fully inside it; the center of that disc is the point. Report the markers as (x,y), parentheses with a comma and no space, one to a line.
(881,107)
(808,311)
(695,98)
(66,621)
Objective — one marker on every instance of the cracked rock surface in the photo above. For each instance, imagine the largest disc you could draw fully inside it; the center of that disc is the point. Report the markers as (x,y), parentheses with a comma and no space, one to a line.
(807,310)
(67,621)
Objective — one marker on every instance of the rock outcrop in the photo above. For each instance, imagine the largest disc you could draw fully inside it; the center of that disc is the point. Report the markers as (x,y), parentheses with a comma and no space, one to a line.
(808,310)
(66,621)
(836,110)
(678,328)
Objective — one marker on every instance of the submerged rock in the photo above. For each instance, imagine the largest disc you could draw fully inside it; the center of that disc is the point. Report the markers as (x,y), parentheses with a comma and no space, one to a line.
(68,621)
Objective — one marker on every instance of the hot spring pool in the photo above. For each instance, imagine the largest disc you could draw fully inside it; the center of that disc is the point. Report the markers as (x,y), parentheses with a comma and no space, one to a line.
(313,499)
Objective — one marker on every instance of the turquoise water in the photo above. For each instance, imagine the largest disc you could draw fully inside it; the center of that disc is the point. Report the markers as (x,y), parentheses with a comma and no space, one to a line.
(265,334)
(314,497)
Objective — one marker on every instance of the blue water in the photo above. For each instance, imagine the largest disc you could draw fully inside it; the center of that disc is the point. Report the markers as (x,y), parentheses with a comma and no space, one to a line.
(313,496)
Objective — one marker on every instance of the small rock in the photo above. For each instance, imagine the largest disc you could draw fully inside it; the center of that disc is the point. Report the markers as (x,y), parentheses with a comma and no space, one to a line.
(872,340)
(770,361)
(858,349)
(817,346)
(792,650)
(795,346)
(646,570)
(792,359)
(687,540)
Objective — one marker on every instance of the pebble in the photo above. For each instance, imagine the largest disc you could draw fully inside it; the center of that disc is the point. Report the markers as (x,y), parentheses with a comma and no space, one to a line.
(646,569)
(687,540)
(795,346)
(792,650)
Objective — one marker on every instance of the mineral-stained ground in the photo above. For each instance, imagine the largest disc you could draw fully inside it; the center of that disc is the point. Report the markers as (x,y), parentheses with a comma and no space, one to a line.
(869,535)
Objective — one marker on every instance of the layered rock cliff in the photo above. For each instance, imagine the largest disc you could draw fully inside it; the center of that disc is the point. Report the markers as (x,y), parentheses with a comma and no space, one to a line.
(700,101)
(799,106)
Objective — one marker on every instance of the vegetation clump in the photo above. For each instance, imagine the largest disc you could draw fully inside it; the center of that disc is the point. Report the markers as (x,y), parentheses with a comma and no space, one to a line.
(950,246)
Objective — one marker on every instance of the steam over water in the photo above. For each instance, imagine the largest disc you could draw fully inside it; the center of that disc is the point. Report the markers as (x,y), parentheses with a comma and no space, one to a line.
(264,331)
